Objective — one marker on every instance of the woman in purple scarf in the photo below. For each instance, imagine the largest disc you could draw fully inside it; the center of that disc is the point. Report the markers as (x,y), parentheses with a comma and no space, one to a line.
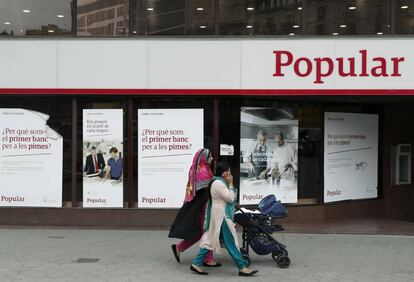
(188,224)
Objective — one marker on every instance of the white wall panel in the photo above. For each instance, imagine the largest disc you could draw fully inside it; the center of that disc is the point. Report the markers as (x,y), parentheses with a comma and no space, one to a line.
(194,64)
(28,63)
(102,64)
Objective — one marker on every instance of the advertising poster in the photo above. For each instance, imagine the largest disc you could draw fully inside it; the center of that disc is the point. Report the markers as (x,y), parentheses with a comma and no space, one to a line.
(103,158)
(268,154)
(351,156)
(31,160)
(167,142)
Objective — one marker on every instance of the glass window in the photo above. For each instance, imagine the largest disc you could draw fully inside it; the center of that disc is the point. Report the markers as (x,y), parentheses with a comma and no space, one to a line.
(117,102)
(179,17)
(401,164)
(260,17)
(404,17)
(277,116)
(102,17)
(27,17)
(204,103)
(60,120)
(348,17)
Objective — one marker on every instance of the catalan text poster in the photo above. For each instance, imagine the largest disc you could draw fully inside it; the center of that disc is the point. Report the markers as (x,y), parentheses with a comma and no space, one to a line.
(103,158)
(167,142)
(30,160)
(351,156)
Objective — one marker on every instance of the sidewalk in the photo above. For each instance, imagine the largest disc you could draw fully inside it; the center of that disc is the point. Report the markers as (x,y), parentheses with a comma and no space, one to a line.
(141,255)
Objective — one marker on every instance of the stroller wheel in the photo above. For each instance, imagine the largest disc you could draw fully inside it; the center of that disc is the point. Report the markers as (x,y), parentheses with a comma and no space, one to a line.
(247,259)
(283,261)
(276,254)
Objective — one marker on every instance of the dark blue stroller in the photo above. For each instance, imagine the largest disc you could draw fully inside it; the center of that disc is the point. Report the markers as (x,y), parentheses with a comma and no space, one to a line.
(257,230)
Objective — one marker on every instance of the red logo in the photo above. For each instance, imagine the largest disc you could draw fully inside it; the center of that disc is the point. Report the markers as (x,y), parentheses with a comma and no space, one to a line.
(321,67)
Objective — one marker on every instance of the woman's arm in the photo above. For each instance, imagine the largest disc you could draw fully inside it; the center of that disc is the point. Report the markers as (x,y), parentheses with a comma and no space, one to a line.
(223,192)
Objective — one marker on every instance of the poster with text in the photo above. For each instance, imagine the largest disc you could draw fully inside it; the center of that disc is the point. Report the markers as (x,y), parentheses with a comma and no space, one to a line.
(268,154)
(351,156)
(31,160)
(167,142)
(103,158)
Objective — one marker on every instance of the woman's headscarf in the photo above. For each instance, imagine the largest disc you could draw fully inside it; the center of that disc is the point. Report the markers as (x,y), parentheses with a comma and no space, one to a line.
(199,175)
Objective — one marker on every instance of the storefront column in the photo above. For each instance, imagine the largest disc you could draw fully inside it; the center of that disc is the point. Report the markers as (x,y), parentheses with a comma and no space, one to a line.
(74,150)
(216,134)
(130,146)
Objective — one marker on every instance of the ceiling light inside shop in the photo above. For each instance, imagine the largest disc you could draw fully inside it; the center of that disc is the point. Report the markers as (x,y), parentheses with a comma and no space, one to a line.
(60,16)
(342,25)
(404,7)
(380,33)
(50,31)
(203,26)
(295,26)
(150,9)
(200,9)
(8,23)
(250,8)
(134,32)
(335,33)
(26,11)
(300,8)
(351,7)
(292,33)
(249,26)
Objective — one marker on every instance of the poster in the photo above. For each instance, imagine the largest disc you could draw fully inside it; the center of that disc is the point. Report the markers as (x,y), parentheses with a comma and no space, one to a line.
(103,158)
(268,154)
(31,160)
(351,156)
(167,142)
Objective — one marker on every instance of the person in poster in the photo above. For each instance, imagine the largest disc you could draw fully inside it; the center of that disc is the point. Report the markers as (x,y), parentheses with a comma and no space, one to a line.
(115,165)
(94,164)
(282,164)
(276,165)
(256,156)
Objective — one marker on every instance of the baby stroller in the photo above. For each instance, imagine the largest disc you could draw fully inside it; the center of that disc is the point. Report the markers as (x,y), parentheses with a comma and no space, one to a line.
(257,230)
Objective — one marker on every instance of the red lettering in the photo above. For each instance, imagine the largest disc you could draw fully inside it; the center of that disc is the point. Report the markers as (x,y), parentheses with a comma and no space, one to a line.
(363,63)
(319,73)
(351,67)
(395,66)
(308,66)
(279,64)
(322,67)
(382,67)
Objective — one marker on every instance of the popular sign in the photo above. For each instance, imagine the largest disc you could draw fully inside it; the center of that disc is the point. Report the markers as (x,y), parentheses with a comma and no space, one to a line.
(321,67)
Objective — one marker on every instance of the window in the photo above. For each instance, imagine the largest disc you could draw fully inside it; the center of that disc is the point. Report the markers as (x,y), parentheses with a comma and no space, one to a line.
(401,168)
(321,13)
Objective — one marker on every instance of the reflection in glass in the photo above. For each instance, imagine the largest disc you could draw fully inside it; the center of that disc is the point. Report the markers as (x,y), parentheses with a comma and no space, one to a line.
(261,17)
(205,17)
(370,17)
(35,17)
(102,17)
(404,17)
(166,17)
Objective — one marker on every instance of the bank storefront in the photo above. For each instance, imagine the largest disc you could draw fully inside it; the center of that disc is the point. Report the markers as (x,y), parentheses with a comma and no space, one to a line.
(102,132)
